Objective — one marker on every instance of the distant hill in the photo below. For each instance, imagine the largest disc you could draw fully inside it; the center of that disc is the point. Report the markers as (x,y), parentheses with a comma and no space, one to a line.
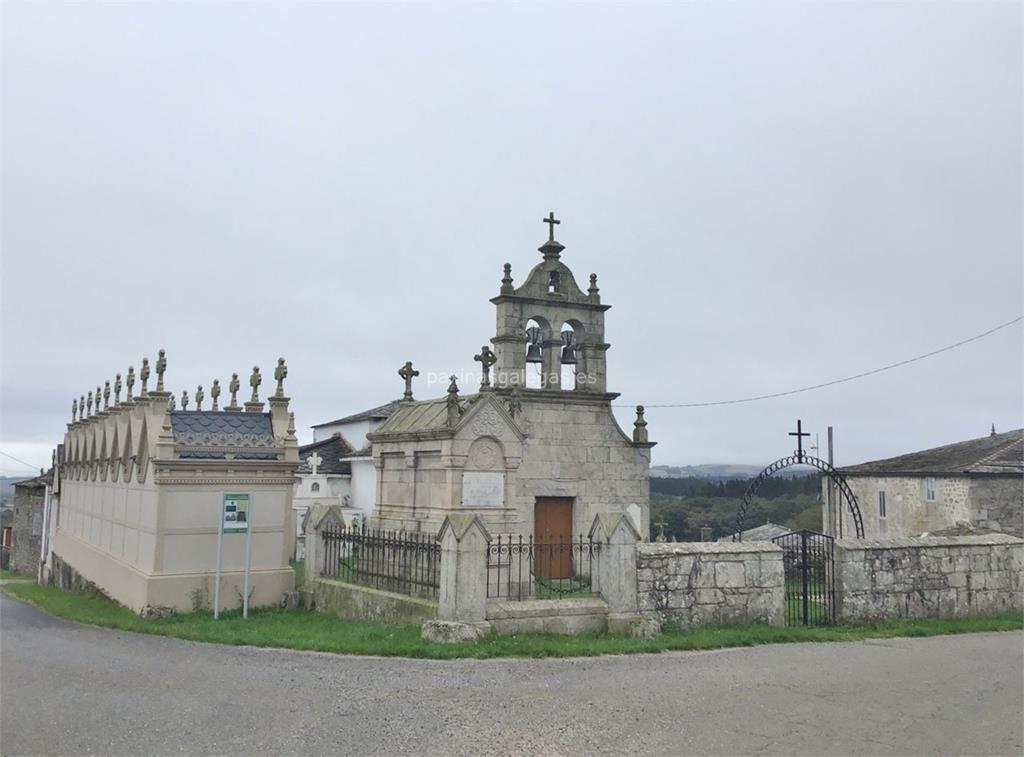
(720,471)
(723,471)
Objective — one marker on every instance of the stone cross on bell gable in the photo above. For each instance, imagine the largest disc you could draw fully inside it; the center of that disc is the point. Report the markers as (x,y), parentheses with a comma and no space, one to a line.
(314,461)
(407,372)
(551,221)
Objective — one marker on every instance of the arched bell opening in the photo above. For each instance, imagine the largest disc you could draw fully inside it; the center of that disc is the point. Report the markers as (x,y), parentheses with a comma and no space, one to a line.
(569,356)
(536,335)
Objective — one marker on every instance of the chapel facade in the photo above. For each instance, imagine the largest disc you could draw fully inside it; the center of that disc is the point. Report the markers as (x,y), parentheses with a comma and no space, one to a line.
(536,450)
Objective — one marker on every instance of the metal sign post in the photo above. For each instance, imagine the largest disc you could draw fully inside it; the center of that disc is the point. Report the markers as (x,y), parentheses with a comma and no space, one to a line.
(248,560)
(234,517)
(216,580)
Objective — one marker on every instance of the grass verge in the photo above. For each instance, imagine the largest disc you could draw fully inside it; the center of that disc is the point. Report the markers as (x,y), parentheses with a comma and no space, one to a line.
(290,629)
(5,574)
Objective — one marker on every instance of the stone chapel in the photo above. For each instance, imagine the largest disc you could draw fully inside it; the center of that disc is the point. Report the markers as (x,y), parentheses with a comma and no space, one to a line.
(536,450)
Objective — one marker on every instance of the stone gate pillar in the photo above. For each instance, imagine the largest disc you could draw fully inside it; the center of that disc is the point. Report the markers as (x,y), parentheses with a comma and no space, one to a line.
(616,538)
(463,591)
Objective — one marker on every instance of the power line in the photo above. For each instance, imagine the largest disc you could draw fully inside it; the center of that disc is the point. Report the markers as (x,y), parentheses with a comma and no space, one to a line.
(847,378)
(15,459)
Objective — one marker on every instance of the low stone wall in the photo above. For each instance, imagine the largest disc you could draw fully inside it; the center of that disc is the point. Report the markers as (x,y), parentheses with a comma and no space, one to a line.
(939,577)
(363,603)
(564,616)
(703,583)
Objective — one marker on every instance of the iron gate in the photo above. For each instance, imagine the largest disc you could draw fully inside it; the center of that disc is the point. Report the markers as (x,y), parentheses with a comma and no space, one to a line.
(810,580)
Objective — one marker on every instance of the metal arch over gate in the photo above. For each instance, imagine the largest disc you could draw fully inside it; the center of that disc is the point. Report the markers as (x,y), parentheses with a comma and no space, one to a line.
(800,458)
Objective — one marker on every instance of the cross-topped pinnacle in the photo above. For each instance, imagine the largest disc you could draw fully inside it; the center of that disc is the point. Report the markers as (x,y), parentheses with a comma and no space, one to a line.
(799,434)
(551,221)
(313,461)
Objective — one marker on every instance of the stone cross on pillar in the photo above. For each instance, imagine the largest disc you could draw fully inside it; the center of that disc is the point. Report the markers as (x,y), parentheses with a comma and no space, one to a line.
(254,381)
(117,389)
(313,461)
(129,383)
(280,374)
(106,395)
(233,387)
(487,359)
(161,366)
(408,373)
(144,376)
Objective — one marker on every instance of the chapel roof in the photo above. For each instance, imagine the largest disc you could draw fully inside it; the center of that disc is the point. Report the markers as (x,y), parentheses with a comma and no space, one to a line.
(37,482)
(374,413)
(422,415)
(213,428)
(331,452)
(992,454)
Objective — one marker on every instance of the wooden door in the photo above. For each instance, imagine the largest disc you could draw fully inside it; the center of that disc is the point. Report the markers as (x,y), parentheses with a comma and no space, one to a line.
(552,537)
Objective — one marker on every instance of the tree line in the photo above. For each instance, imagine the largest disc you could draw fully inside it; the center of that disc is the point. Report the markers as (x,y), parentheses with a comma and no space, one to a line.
(686,505)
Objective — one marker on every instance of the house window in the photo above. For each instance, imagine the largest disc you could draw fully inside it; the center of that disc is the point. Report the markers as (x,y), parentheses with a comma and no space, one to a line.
(881,504)
(929,488)
(314,488)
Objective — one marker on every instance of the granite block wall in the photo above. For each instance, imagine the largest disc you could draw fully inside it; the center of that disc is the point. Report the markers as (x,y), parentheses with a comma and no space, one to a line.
(928,578)
(702,583)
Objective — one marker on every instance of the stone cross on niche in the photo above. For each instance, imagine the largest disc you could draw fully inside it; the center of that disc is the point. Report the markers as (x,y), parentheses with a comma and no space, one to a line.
(799,434)
(313,461)
(487,359)
(407,372)
(551,221)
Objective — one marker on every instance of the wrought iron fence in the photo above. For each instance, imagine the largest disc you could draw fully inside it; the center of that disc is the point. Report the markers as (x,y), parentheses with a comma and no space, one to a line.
(524,568)
(809,574)
(398,561)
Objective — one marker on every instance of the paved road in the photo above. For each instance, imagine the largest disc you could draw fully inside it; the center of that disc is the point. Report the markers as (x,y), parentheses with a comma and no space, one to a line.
(70,689)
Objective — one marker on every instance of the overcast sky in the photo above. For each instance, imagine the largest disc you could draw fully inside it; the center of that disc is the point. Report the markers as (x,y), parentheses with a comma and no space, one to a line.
(772,196)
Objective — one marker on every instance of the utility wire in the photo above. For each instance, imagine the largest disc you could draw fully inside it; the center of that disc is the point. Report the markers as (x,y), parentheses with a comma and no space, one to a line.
(847,378)
(33,467)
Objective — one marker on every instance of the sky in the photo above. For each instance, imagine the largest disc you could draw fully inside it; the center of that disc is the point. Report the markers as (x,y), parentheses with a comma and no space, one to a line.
(772,196)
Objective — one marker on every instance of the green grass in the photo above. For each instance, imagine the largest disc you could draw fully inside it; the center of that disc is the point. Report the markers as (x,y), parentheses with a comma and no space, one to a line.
(313,631)
(5,574)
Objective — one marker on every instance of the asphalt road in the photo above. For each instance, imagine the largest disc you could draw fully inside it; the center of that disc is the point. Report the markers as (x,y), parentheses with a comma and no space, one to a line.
(70,689)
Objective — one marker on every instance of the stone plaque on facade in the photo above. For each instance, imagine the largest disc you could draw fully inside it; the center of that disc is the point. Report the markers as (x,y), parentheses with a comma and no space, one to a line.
(483,489)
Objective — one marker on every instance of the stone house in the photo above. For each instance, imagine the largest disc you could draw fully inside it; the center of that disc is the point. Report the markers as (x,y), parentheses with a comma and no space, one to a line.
(535,451)
(30,498)
(976,484)
(145,490)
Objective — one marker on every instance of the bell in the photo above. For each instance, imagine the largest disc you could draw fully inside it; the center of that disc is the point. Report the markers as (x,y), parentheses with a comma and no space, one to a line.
(569,348)
(533,354)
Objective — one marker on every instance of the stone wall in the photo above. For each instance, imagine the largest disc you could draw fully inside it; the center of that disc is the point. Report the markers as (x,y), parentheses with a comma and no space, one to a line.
(27,531)
(701,583)
(997,503)
(928,578)
(363,603)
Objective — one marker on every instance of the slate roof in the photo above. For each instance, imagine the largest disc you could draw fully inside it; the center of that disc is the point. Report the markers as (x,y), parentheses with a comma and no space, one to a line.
(331,452)
(213,428)
(375,413)
(993,454)
(767,532)
(38,482)
(424,415)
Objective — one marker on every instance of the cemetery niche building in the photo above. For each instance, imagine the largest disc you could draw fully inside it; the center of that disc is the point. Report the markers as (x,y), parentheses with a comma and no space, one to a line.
(536,450)
(144,488)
